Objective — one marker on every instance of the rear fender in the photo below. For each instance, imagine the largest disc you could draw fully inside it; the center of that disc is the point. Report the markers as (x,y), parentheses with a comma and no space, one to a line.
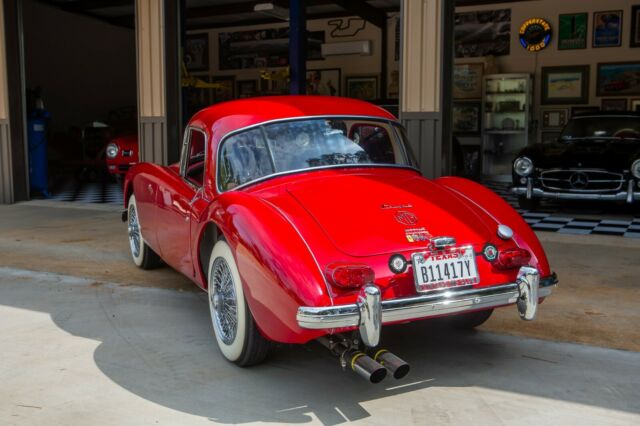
(278,271)
(503,213)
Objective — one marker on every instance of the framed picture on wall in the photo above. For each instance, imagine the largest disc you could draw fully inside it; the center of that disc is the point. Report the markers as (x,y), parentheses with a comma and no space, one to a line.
(246,88)
(466,117)
(196,52)
(362,87)
(618,79)
(554,119)
(607,28)
(324,82)
(572,33)
(467,80)
(547,137)
(565,85)
(583,109)
(226,90)
(616,104)
(634,105)
(634,40)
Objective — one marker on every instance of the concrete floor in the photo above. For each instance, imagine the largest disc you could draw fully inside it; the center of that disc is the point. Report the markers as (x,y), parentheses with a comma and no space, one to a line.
(79,352)
(102,342)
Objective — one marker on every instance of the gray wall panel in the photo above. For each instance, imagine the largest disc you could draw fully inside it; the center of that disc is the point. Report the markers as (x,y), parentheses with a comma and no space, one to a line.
(425,137)
(6,174)
(153,146)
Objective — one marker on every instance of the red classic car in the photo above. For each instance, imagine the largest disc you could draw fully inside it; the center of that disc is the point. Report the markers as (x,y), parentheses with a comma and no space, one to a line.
(121,153)
(305,218)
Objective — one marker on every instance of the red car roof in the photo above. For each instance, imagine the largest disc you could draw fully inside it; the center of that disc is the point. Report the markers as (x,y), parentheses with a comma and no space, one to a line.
(226,117)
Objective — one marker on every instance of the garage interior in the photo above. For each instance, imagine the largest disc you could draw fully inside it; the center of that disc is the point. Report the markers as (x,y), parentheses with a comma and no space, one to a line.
(215,68)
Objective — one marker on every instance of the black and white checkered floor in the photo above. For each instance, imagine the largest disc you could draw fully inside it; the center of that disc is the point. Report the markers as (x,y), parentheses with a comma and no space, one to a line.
(550,217)
(553,217)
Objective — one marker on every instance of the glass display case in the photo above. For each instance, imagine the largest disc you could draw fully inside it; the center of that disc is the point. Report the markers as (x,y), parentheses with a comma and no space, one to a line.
(506,106)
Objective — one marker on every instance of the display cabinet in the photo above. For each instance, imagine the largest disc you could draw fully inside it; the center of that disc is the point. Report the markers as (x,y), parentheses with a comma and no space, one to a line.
(506,106)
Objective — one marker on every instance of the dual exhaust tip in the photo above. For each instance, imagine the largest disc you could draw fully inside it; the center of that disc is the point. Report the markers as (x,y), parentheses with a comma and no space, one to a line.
(375,369)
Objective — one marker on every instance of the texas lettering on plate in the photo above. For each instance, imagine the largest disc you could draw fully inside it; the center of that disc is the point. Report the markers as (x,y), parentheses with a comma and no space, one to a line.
(453,268)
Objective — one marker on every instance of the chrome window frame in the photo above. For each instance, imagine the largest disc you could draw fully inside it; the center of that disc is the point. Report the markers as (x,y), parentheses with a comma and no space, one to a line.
(388,121)
(186,144)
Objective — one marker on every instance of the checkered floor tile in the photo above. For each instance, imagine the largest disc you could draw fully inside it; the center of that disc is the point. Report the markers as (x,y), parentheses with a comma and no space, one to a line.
(86,192)
(548,218)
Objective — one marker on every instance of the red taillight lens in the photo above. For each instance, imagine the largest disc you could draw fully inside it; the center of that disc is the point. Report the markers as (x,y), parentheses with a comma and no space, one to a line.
(350,276)
(512,258)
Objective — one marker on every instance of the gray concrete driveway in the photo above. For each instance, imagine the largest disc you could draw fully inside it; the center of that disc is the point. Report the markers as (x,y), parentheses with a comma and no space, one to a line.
(76,351)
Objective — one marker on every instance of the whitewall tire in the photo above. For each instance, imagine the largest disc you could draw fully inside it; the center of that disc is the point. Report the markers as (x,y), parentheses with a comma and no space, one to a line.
(143,256)
(236,333)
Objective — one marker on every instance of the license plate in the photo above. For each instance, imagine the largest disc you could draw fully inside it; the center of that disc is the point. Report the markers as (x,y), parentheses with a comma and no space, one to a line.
(454,267)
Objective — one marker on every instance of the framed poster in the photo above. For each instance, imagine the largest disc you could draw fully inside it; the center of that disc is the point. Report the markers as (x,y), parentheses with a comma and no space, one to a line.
(583,109)
(549,137)
(616,104)
(607,28)
(246,88)
(572,33)
(482,33)
(323,82)
(565,85)
(225,92)
(554,118)
(618,79)
(196,52)
(467,80)
(634,105)
(466,117)
(363,87)
(634,40)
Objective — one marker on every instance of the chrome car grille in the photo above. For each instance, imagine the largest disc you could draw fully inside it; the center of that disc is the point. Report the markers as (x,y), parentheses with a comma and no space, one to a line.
(581,180)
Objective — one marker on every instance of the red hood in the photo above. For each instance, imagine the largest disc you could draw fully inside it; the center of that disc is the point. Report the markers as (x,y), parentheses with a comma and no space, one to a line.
(358,211)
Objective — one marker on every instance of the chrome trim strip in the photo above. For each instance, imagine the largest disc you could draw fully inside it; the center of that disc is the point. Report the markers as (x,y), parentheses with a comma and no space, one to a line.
(418,307)
(539,193)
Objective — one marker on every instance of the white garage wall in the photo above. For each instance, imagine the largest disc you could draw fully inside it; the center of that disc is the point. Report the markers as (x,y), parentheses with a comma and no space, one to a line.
(86,67)
(520,60)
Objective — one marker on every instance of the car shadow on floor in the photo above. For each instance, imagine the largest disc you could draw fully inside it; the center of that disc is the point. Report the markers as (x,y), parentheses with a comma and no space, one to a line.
(158,344)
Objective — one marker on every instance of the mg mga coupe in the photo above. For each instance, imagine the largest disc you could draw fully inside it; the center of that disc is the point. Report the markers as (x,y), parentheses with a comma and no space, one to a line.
(305,218)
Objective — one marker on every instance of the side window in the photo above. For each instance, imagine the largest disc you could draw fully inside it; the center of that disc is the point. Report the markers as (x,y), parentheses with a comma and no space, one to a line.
(193,155)
(243,157)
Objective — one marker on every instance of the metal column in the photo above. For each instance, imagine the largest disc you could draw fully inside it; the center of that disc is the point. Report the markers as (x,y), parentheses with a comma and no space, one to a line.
(298,47)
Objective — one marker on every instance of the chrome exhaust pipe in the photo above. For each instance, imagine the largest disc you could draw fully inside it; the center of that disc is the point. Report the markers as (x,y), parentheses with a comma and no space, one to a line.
(358,361)
(528,281)
(365,366)
(396,366)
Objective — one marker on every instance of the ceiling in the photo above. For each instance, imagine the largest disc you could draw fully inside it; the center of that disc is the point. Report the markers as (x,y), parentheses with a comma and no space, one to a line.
(225,13)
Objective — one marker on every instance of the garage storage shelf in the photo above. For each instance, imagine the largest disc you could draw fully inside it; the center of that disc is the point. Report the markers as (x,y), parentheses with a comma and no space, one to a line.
(506,107)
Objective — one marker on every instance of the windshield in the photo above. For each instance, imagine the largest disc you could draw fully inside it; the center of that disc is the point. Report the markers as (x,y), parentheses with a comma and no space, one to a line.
(307,144)
(602,127)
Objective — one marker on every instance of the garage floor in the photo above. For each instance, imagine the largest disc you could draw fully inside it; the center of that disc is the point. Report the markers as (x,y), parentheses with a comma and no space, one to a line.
(100,353)
(103,340)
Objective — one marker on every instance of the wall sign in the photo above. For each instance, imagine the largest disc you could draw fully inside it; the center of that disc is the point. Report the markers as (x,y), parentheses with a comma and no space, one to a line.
(535,34)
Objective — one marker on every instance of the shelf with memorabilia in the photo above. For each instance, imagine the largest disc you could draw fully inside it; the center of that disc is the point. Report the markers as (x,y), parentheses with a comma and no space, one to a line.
(506,109)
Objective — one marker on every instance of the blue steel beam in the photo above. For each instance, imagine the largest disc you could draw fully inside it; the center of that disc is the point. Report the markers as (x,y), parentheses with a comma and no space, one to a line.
(298,47)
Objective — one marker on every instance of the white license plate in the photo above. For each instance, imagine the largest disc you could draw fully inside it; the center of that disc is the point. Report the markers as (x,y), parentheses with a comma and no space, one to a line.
(444,269)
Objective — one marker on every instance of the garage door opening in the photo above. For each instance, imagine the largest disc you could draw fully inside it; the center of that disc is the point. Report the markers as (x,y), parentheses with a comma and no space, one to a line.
(80,78)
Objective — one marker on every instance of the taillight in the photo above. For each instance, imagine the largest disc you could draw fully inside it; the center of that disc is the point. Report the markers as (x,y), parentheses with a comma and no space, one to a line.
(512,258)
(349,276)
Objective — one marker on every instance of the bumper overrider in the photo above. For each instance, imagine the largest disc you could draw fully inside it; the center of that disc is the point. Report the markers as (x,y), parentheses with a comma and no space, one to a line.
(370,311)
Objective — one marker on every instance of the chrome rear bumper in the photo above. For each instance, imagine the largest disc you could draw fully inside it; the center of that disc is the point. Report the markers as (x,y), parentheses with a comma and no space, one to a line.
(363,313)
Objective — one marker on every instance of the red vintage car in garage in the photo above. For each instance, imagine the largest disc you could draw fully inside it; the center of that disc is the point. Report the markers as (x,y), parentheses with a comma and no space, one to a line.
(305,218)
(121,153)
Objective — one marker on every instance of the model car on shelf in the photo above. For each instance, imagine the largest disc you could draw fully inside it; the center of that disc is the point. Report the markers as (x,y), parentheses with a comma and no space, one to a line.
(596,157)
(305,218)
(121,153)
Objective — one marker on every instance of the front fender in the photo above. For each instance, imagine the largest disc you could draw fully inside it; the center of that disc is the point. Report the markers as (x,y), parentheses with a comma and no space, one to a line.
(503,213)
(278,270)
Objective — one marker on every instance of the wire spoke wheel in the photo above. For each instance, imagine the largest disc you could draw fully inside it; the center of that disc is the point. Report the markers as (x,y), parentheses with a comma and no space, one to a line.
(224,301)
(135,240)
